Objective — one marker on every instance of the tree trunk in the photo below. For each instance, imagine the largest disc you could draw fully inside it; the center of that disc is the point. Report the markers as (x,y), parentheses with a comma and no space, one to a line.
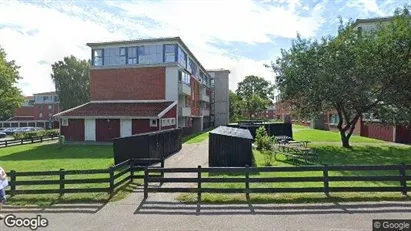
(345,141)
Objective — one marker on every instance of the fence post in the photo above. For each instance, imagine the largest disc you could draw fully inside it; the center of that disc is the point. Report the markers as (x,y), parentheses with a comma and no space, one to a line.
(145,182)
(131,170)
(162,166)
(199,184)
(41,139)
(32,140)
(111,172)
(62,177)
(5,143)
(403,180)
(325,180)
(21,140)
(12,183)
(247,182)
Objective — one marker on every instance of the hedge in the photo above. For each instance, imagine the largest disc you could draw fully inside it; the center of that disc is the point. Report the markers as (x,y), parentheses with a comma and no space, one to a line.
(25,135)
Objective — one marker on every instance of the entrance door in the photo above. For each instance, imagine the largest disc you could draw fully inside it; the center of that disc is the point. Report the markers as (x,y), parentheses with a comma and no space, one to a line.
(125,127)
(90,130)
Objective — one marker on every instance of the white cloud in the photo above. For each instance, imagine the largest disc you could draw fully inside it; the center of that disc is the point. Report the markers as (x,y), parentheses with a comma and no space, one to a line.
(366,7)
(48,34)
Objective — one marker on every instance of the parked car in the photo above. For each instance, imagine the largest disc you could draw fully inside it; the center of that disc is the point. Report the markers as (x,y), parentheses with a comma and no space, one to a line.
(9,131)
(18,130)
(2,134)
(27,129)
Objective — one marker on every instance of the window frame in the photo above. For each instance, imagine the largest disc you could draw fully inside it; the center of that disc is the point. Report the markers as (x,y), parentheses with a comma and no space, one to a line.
(128,56)
(153,123)
(64,122)
(101,57)
(123,55)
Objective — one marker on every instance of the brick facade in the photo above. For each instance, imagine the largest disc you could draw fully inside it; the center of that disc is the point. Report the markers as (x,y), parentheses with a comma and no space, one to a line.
(127,84)
(46,110)
(24,111)
(195,97)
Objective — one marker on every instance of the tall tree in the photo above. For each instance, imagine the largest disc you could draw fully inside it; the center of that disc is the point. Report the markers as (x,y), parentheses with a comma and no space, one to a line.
(10,95)
(71,79)
(255,94)
(352,73)
(234,107)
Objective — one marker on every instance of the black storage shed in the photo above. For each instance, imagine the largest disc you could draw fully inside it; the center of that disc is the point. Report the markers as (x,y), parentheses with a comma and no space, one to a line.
(230,147)
(147,145)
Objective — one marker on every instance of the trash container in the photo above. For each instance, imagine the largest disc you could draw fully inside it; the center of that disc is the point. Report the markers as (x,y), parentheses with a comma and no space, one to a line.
(62,139)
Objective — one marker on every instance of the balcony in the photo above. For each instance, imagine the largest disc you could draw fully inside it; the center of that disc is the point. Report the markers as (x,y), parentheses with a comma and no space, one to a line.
(184,89)
(184,111)
(205,98)
(205,112)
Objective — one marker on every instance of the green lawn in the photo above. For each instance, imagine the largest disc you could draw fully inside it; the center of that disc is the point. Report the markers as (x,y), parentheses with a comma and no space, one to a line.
(196,138)
(44,157)
(306,133)
(330,155)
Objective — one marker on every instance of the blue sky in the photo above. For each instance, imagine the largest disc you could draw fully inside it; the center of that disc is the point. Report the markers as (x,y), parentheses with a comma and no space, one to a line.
(239,35)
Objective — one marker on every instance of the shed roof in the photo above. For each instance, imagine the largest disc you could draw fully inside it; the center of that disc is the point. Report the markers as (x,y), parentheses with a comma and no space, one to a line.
(233,132)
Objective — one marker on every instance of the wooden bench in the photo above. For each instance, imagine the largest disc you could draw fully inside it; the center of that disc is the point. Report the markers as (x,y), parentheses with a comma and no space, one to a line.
(296,152)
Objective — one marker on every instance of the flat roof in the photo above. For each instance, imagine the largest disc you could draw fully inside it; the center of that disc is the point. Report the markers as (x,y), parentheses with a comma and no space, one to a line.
(233,132)
(150,40)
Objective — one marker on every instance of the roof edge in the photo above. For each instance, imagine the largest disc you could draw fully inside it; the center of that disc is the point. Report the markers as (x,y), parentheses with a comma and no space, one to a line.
(168,108)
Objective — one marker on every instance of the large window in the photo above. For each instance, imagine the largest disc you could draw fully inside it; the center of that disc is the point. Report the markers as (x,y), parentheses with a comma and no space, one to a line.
(169,53)
(131,55)
(114,56)
(184,77)
(98,57)
(182,57)
(150,54)
(193,67)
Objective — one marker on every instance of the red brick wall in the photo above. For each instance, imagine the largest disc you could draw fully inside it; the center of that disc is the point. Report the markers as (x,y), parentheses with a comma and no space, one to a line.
(74,131)
(24,111)
(142,126)
(44,109)
(170,114)
(128,83)
(377,130)
(195,97)
(107,130)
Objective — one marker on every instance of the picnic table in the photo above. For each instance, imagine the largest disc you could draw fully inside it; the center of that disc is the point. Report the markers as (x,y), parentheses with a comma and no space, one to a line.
(296,152)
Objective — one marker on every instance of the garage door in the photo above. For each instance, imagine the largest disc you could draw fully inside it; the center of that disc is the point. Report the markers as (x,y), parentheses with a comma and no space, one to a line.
(107,129)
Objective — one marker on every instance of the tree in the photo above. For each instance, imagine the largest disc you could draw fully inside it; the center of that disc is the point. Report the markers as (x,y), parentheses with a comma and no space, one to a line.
(352,73)
(71,79)
(10,95)
(254,93)
(234,107)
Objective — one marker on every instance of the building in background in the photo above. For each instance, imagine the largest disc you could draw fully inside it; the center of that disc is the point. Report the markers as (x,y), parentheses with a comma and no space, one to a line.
(219,96)
(140,86)
(36,111)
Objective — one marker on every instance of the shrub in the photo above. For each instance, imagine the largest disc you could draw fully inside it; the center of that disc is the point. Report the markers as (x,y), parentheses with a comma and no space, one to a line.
(27,135)
(262,140)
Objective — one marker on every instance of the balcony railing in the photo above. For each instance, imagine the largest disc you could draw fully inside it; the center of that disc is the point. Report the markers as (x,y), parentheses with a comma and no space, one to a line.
(184,111)
(184,89)
(204,97)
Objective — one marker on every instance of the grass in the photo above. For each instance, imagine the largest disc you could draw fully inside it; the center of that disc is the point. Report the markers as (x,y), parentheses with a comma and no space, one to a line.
(330,155)
(196,138)
(44,157)
(315,135)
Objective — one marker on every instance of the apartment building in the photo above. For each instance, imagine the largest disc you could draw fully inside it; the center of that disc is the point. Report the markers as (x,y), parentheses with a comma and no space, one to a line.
(219,96)
(141,86)
(36,111)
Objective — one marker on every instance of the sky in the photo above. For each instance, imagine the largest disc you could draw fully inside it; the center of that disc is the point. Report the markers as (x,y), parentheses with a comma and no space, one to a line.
(238,35)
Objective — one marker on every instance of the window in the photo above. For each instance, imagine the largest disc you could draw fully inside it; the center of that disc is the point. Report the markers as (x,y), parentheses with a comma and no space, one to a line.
(193,67)
(64,122)
(114,56)
(49,107)
(45,98)
(40,115)
(173,121)
(183,77)
(150,54)
(182,57)
(169,53)
(98,57)
(153,123)
(132,55)
(123,55)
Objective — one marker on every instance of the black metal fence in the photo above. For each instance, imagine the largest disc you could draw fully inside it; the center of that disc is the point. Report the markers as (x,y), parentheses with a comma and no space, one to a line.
(22,141)
(273,129)
(114,178)
(326,179)
(147,145)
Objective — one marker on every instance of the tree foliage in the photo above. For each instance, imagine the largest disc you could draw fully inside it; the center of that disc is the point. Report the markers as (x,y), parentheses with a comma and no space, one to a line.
(234,107)
(10,95)
(254,93)
(71,79)
(351,73)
